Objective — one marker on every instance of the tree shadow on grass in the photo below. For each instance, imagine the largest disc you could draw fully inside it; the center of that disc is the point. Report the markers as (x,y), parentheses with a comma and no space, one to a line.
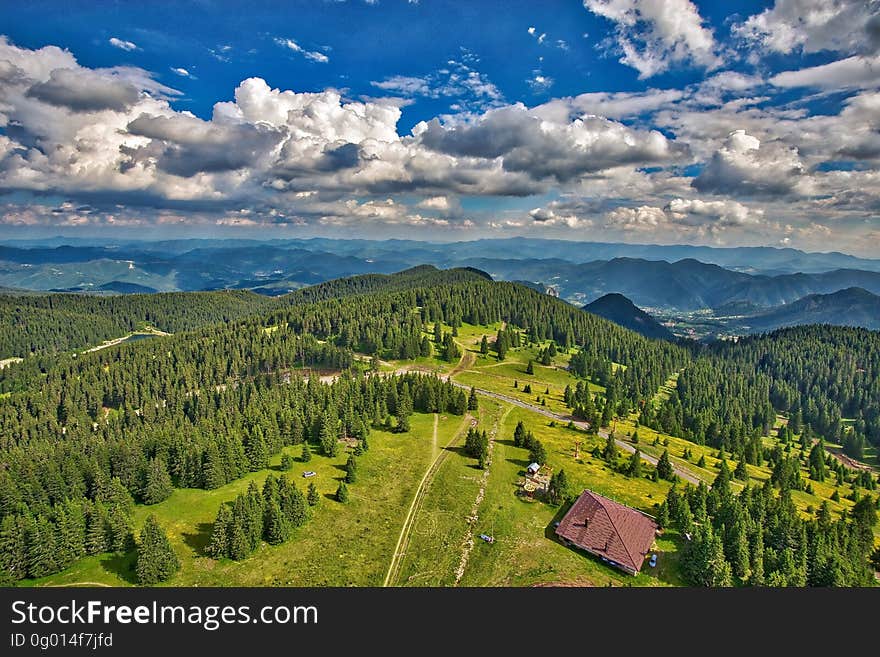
(121,564)
(457,449)
(523,463)
(505,441)
(199,539)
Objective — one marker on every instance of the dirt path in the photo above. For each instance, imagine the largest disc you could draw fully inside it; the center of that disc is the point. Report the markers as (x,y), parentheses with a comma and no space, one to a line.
(468,543)
(415,505)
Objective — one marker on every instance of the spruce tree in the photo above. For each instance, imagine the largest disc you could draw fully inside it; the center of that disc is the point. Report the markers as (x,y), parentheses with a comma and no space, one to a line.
(664,466)
(306,455)
(351,469)
(472,400)
(218,547)
(156,560)
(157,484)
(634,469)
(313,496)
(342,493)
(519,434)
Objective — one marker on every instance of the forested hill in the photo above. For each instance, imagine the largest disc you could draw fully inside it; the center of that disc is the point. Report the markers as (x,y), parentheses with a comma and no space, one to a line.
(62,322)
(421,276)
(38,323)
(620,310)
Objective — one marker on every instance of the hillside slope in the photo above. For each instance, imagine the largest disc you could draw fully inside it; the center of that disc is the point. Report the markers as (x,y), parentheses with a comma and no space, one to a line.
(623,312)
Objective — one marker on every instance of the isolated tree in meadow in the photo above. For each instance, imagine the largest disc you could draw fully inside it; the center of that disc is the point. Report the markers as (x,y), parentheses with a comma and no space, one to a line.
(342,493)
(157,484)
(530,368)
(312,496)
(306,455)
(351,468)
(286,462)
(156,560)
(484,346)
(664,466)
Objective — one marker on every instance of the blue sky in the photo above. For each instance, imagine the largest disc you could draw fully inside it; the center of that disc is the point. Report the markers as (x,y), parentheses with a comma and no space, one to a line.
(619,120)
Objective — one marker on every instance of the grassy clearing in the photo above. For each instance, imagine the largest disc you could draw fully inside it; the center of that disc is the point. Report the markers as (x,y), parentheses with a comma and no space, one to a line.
(525,551)
(441,526)
(342,545)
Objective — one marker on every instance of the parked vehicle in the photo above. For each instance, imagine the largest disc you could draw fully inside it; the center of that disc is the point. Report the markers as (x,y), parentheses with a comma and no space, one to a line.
(487,538)
(309,473)
(653,561)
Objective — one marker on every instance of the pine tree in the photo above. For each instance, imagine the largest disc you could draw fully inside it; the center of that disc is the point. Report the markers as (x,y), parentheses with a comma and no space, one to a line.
(329,435)
(276,525)
(342,493)
(634,469)
(220,533)
(558,491)
(256,451)
(96,529)
(472,400)
(156,560)
(610,451)
(306,455)
(351,469)
(519,434)
(530,368)
(664,466)
(740,471)
(537,453)
(313,496)
(286,462)
(157,485)
(404,410)
(484,346)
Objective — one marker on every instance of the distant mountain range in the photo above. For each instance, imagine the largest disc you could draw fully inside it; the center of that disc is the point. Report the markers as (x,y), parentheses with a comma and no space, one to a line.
(850,307)
(731,284)
(620,310)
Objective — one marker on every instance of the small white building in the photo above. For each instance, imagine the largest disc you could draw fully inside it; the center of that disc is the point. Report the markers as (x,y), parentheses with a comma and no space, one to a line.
(533,468)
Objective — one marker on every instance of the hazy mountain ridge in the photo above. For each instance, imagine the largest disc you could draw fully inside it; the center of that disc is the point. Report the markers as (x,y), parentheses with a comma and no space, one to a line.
(850,307)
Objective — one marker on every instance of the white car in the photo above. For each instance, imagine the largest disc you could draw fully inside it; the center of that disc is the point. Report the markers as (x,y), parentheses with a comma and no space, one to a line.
(309,473)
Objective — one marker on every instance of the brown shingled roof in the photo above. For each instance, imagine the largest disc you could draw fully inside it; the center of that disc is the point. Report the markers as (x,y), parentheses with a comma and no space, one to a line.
(608,529)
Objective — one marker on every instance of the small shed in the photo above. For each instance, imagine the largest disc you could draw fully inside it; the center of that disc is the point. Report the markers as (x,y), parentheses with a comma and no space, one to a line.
(533,468)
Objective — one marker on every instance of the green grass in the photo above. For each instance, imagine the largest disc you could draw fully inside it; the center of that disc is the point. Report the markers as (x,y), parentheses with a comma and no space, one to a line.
(342,545)
(441,525)
(525,551)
